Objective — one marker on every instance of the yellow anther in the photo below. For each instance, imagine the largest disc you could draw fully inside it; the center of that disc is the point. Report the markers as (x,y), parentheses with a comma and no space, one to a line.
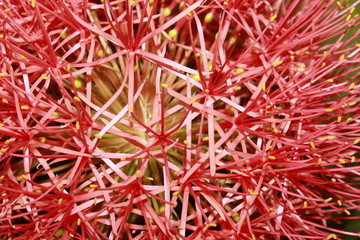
(324,54)
(237,88)
(339,4)
(275,130)
(186,142)
(176,193)
(5,101)
(2,150)
(56,114)
(273,18)
(356,141)
(239,70)
(352,103)
(353,159)
(331,236)
(205,139)
(37,229)
(268,148)
(192,101)
(232,39)
(342,161)
(263,86)
(131,109)
(44,76)
(93,186)
(38,191)
(77,99)
(173,33)
(330,80)
(196,77)
(100,53)
(68,67)
(60,200)
(347,212)
(197,54)
(328,110)
(329,137)
(292,57)
(346,143)
(98,136)
(24,107)
(253,193)
(7,9)
(78,83)
(77,125)
(208,17)
(305,204)
(272,209)
(271,157)
(7,142)
(175,204)
(136,67)
(226,3)
(352,85)
(357,45)
(78,222)
(2,74)
(166,12)
(276,63)
(42,139)
(23,57)
(328,199)
(352,10)
(207,90)
(33,2)
(24,177)
(123,158)
(349,119)
(339,202)
(1,36)
(342,57)
(137,174)
(95,201)
(320,161)
(348,17)
(253,237)
(312,144)
(323,64)
(164,85)
(339,119)
(2,177)
(333,179)
(210,67)
(131,3)
(189,14)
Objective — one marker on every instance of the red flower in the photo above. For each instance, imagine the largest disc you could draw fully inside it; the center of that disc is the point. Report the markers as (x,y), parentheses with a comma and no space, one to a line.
(178,120)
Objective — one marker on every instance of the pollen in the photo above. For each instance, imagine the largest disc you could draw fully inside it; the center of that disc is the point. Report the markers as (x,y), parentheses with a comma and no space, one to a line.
(7,142)
(333,179)
(123,158)
(37,229)
(263,86)
(348,17)
(226,3)
(253,237)
(173,33)
(78,83)
(4,100)
(352,85)
(166,12)
(42,139)
(330,80)
(356,141)
(239,70)
(339,202)
(325,54)
(77,99)
(353,159)
(352,10)
(60,201)
(98,136)
(196,77)
(131,3)
(186,142)
(205,139)
(100,53)
(77,125)
(268,148)
(208,17)
(276,63)
(349,119)
(328,199)
(1,36)
(253,193)
(33,2)
(342,161)
(271,157)
(342,57)
(312,144)
(78,222)
(24,107)
(164,85)
(323,64)
(328,110)
(23,57)
(137,174)
(237,88)
(331,235)
(339,119)
(329,137)
(56,114)
(352,104)
(2,74)
(207,90)
(320,161)
(176,193)
(192,101)
(292,57)
(95,201)
(7,9)
(68,67)
(347,212)
(275,130)
(305,204)
(175,204)
(273,18)
(44,76)
(197,54)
